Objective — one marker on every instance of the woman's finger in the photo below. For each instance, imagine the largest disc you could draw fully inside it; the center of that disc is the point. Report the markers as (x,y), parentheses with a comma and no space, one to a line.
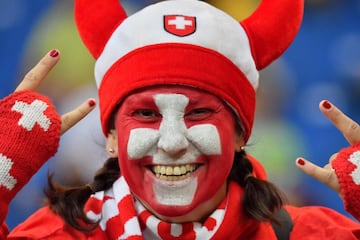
(34,77)
(69,119)
(325,175)
(348,127)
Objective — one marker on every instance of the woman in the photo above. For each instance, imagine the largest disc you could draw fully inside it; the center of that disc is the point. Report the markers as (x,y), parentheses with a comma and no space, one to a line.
(177,103)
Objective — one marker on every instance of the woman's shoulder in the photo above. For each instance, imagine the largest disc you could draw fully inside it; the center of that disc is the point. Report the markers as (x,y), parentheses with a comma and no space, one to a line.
(45,224)
(315,222)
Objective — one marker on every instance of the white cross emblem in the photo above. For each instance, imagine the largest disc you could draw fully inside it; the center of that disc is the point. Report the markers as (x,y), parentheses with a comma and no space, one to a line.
(6,179)
(180,25)
(180,22)
(355,159)
(32,113)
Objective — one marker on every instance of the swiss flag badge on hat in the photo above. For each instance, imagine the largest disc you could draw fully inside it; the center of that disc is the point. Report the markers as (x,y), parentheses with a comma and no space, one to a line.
(180,25)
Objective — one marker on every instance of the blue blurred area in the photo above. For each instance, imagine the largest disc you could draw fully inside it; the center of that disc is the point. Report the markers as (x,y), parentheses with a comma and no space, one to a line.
(324,60)
(17,18)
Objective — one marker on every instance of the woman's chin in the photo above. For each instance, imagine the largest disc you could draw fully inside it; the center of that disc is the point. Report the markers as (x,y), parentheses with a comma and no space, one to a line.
(171,213)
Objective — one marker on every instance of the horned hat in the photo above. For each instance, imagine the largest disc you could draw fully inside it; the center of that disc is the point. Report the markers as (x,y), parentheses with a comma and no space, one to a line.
(185,42)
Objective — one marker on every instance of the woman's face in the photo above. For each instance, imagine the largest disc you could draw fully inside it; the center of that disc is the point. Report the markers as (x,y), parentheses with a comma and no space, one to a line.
(176,148)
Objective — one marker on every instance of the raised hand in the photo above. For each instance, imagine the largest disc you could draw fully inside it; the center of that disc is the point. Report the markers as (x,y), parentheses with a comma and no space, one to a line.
(351,131)
(36,75)
(30,130)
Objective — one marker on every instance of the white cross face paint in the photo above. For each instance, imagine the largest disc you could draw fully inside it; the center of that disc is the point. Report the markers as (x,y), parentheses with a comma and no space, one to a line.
(172,137)
(173,133)
(171,147)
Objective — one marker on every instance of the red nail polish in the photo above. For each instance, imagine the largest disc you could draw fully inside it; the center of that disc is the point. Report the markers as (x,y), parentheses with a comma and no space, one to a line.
(326,105)
(301,162)
(91,103)
(54,53)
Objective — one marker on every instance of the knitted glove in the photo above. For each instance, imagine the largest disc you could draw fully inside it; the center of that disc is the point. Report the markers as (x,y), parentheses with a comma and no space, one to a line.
(347,168)
(29,136)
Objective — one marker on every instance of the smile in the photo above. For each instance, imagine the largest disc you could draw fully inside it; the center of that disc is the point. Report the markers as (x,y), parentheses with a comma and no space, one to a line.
(174,173)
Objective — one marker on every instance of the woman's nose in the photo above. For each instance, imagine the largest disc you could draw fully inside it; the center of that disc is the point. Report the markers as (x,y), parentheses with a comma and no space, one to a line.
(173,141)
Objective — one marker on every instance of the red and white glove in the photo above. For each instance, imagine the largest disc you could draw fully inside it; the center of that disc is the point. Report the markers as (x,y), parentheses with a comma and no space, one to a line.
(347,168)
(29,136)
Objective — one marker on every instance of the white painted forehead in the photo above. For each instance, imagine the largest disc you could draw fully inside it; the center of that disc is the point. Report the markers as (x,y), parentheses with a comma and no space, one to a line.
(172,100)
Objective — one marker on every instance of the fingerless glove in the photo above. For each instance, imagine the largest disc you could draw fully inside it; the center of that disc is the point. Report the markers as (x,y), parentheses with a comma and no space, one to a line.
(347,168)
(29,136)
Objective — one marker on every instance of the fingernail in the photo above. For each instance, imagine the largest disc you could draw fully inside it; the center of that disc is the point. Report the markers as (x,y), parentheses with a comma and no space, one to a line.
(54,53)
(301,162)
(326,105)
(91,103)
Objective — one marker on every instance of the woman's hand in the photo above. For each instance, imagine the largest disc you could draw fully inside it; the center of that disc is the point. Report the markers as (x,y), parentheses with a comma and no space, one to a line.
(30,130)
(35,76)
(351,131)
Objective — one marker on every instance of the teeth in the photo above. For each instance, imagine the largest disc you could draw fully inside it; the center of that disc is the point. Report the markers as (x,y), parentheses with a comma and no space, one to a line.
(173,173)
(177,171)
(169,170)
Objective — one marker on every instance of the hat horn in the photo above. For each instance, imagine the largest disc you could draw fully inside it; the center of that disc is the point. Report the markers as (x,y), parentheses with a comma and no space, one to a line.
(272,28)
(96,20)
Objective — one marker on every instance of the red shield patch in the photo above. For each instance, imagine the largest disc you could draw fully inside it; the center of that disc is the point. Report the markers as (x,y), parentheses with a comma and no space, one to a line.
(180,25)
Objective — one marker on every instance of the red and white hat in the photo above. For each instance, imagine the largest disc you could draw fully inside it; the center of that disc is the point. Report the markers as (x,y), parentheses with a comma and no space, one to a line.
(184,42)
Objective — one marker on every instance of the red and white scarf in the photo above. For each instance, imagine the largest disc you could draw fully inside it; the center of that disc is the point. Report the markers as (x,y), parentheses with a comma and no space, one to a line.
(122,217)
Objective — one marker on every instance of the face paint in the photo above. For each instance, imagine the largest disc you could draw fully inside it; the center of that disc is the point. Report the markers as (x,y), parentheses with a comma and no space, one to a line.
(176,147)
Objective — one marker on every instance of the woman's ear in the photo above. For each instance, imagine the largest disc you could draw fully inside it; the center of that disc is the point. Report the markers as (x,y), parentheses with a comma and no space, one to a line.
(112,143)
(239,142)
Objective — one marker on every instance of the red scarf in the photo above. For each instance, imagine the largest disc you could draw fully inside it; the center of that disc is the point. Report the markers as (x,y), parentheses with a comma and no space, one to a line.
(122,217)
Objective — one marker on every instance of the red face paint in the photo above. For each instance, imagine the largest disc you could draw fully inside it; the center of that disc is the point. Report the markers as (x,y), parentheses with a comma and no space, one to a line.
(176,147)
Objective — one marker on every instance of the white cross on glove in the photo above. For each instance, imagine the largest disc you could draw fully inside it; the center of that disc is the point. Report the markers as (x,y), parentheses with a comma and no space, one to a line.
(32,114)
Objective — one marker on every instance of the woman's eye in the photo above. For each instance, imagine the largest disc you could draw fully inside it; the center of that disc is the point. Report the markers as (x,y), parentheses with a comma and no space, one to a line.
(199,113)
(146,113)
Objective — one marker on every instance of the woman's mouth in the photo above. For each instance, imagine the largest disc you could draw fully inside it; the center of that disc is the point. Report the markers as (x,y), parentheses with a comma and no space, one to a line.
(174,173)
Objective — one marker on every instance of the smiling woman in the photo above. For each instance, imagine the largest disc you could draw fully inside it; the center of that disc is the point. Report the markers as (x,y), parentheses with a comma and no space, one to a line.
(175,136)
(177,84)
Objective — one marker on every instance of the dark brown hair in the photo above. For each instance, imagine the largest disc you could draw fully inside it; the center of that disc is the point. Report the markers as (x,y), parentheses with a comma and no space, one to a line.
(260,201)
(69,202)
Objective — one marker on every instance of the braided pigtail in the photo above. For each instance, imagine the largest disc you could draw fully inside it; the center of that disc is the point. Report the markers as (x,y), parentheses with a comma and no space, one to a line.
(69,202)
(261,198)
